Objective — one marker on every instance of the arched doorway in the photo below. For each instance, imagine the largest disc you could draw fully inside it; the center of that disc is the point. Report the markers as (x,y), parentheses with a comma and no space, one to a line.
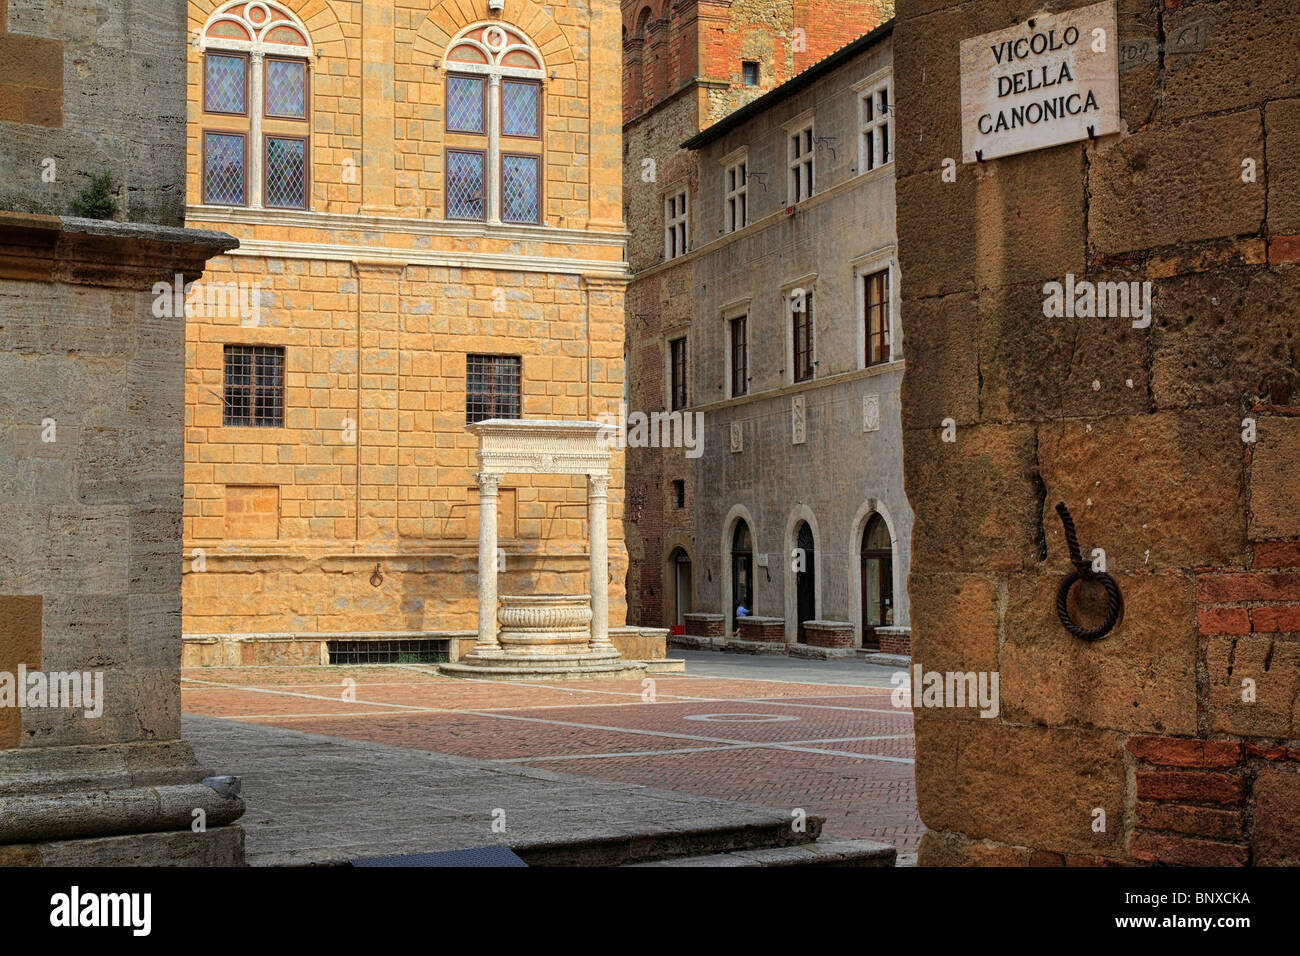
(679,569)
(877,580)
(805,578)
(742,570)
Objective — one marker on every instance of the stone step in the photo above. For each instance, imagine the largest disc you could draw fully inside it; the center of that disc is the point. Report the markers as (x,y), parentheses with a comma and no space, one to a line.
(828,851)
(682,842)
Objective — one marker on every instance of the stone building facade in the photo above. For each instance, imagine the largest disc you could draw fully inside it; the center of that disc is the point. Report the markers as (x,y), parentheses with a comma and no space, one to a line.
(93,768)
(798,360)
(686,65)
(1173,739)
(428,199)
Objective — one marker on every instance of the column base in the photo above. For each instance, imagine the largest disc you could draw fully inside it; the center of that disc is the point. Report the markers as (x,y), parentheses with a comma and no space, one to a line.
(592,665)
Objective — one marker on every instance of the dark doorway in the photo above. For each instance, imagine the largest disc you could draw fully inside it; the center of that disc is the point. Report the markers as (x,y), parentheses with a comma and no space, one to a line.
(805,579)
(877,580)
(742,570)
(681,570)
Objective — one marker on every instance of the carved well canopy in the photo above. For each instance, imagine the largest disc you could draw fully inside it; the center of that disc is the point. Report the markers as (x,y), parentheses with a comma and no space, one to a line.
(537,446)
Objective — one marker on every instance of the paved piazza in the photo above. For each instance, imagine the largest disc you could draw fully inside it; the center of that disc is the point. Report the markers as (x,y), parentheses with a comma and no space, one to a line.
(776,733)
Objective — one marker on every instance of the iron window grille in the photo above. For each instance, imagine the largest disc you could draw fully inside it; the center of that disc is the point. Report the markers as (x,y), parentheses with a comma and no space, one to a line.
(254,386)
(493,387)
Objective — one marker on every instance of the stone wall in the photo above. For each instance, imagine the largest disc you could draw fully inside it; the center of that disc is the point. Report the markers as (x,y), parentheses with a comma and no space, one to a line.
(88,89)
(1178,725)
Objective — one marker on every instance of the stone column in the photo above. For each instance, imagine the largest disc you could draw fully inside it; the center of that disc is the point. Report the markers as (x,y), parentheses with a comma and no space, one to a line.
(491,176)
(487,565)
(256,155)
(597,519)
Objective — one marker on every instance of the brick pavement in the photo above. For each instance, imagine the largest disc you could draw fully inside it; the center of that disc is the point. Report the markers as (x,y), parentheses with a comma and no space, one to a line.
(839,751)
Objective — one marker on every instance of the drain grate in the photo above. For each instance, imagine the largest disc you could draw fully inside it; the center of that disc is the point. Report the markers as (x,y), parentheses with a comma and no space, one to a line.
(401,651)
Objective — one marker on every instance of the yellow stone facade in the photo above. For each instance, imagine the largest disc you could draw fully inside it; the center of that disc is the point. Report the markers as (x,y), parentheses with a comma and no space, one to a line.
(359,515)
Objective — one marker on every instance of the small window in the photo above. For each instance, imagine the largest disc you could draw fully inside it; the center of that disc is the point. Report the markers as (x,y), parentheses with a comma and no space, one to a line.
(677,373)
(876,146)
(286,88)
(493,387)
(739,357)
(737,188)
(254,386)
(520,107)
(466,96)
(801,323)
(679,494)
(224,160)
(286,172)
(465,184)
(800,155)
(875,302)
(521,187)
(675,225)
(749,73)
(225,83)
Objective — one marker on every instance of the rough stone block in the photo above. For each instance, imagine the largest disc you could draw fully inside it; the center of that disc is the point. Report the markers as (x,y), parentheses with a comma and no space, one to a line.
(1275,480)
(1275,837)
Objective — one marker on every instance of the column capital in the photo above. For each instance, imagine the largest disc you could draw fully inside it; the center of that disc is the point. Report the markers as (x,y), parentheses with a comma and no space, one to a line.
(597,486)
(488,482)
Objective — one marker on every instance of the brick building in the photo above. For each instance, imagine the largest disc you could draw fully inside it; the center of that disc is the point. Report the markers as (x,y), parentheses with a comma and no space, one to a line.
(686,65)
(428,200)
(1175,738)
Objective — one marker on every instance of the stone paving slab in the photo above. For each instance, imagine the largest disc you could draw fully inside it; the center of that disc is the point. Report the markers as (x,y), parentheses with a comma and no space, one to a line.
(318,799)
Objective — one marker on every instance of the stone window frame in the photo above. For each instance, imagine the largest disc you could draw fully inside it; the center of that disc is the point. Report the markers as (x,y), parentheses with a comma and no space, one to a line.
(878,131)
(744,68)
(880,260)
(735,190)
(800,157)
(494,142)
(676,223)
(256,125)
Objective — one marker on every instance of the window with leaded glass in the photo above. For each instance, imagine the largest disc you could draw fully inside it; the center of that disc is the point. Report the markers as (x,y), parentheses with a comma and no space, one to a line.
(465,184)
(466,103)
(520,188)
(254,386)
(493,387)
(520,104)
(224,174)
(225,83)
(286,88)
(286,172)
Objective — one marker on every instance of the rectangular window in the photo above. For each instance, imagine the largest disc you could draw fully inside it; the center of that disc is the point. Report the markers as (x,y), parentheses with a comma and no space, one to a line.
(286,88)
(739,357)
(675,226)
(493,387)
(679,493)
(521,102)
(225,83)
(466,103)
(286,172)
(800,155)
(224,160)
(875,301)
(801,323)
(876,147)
(749,73)
(521,187)
(677,373)
(465,184)
(254,386)
(737,184)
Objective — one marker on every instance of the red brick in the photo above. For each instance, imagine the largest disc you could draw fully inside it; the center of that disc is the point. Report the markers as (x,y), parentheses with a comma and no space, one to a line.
(1223,620)
(1193,787)
(1185,752)
(1268,753)
(1274,620)
(1277,554)
(1096,861)
(1046,858)
(1247,586)
(1196,821)
(1158,848)
(1283,250)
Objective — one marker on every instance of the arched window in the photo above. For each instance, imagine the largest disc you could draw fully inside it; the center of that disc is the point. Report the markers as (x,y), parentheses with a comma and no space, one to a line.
(256,142)
(877,576)
(494,127)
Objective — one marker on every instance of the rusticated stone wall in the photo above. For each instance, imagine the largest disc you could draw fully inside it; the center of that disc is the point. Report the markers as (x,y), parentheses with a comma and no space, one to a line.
(1172,739)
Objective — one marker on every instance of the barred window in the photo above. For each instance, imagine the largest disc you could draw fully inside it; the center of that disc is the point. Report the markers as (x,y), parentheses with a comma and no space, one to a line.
(254,386)
(493,387)
(677,373)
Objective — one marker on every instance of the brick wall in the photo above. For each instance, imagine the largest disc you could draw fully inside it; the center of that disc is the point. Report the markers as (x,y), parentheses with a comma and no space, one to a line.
(1166,724)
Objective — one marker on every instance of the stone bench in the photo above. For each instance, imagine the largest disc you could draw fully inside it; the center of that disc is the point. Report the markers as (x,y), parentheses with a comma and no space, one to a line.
(828,633)
(895,640)
(699,624)
(761,629)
